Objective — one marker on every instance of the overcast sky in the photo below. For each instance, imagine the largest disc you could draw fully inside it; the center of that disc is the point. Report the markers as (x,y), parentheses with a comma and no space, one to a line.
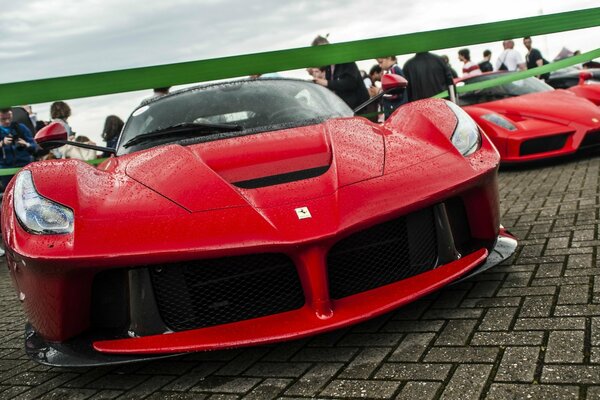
(50,38)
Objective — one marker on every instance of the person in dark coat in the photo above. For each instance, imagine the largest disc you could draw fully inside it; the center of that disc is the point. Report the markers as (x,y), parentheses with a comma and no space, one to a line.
(427,75)
(343,79)
(17,144)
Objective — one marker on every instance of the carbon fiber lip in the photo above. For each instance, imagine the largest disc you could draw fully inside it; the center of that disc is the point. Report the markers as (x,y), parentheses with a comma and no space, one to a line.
(76,353)
(504,247)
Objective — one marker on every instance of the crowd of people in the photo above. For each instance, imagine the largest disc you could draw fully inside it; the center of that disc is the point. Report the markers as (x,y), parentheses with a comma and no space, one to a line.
(18,126)
(428,74)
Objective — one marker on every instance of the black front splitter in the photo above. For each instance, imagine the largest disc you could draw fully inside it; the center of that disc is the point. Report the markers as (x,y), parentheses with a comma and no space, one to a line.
(504,247)
(77,352)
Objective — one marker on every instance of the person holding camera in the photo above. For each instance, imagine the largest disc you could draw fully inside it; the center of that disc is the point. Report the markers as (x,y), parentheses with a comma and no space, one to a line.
(17,143)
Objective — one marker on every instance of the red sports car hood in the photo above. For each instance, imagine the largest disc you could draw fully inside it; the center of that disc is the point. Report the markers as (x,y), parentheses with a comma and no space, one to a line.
(558,105)
(312,161)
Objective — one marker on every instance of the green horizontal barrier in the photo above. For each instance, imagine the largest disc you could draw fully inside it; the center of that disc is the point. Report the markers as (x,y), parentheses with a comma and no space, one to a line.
(101,83)
(12,171)
(516,76)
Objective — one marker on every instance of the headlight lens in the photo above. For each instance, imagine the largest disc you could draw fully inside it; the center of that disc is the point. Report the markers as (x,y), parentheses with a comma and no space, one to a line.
(466,137)
(36,213)
(500,121)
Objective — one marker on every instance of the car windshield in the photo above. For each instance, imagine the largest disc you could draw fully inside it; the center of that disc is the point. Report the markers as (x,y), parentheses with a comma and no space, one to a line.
(512,89)
(249,106)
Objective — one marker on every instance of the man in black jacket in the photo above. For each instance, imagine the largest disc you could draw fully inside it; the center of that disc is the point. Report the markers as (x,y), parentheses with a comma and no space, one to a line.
(343,79)
(427,75)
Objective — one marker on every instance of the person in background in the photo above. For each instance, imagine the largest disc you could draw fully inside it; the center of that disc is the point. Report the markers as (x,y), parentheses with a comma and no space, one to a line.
(469,68)
(427,75)
(485,65)
(60,112)
(343,79)
(447,61)
(510,59)
(534,58)
(390,102)
(110,134)
(80,153)
(17,144)
(162,91)
(316,73)
(375,76)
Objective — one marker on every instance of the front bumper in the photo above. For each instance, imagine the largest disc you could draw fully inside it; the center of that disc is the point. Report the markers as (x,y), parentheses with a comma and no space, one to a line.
(85,351)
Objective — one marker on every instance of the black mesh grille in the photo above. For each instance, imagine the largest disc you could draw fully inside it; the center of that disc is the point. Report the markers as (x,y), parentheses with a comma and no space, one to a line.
(591,139)
(383,254)
(218,291)
(543,144)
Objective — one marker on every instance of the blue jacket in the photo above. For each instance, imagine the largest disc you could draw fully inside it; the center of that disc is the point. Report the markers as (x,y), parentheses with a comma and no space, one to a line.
(14,155)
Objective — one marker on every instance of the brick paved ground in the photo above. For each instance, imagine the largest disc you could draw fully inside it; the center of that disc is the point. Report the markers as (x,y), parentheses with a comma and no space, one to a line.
(527,329)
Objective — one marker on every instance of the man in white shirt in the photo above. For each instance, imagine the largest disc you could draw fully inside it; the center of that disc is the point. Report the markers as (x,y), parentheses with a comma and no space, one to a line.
(510,59)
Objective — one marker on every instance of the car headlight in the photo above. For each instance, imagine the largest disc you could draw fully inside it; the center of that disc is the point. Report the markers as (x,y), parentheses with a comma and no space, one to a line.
(36,213)
(500,121)
(466,136)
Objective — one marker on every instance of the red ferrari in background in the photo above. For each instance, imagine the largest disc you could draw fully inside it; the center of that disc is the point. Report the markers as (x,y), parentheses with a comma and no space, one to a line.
(528,120)
(583,82)
(245,213)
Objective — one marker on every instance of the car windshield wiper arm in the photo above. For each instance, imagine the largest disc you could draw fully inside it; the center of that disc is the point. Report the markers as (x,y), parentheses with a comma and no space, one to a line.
(186,128)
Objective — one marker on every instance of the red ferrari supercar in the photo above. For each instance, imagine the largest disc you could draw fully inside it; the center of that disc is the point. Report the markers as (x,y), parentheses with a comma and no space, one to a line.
(528,120)
(583,82)
(244,213)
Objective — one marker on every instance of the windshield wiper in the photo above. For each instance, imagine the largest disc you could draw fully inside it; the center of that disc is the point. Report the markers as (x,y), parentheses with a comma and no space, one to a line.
(185,129)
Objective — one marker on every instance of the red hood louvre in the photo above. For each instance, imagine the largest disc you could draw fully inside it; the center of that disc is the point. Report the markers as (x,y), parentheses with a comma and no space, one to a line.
(200,177)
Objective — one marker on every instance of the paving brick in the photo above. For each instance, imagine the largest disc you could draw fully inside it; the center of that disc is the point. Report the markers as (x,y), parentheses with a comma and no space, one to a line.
(71,394)
(574,294)
(413,371)
(367,361)
(412,347)
(370,339)
(185,382)
(325,354)
(537,306)
(505,391)
(565,347)
(498,319)
(571,374)
(492,302)
(148,387)
(279,370)
(518,364)
(243,361)
(118,381)
(419,390)
(484,289)
(527,291)
(361,388)
(413,326)
(549,270)
(312,382)
(580,261)
(462,354)
(459,313)
(589,310)
(176,396)
(507,338)
(268,389)
(467,382)
(546,324)
(225,384)
(113,394)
